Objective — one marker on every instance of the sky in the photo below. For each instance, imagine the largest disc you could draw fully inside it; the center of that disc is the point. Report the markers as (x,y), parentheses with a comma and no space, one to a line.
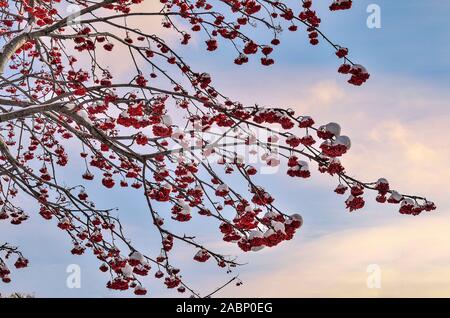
(399,125)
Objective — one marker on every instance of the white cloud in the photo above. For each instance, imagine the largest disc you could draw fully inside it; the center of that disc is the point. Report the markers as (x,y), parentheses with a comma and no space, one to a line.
(399,129)
(413,256)
(398,126)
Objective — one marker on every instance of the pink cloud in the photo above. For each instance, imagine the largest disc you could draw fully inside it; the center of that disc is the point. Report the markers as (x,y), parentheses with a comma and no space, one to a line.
(399,129)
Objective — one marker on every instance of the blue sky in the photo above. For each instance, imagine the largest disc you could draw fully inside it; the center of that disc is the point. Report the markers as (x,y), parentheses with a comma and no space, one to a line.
(409,63)
(413,41)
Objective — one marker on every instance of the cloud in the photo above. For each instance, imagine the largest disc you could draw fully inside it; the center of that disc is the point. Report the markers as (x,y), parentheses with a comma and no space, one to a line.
(412,255)
(398,126)
(119,61)
(412,154)
(399,130)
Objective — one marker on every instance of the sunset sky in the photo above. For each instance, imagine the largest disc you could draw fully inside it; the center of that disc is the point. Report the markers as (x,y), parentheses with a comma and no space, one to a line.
(399,123)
